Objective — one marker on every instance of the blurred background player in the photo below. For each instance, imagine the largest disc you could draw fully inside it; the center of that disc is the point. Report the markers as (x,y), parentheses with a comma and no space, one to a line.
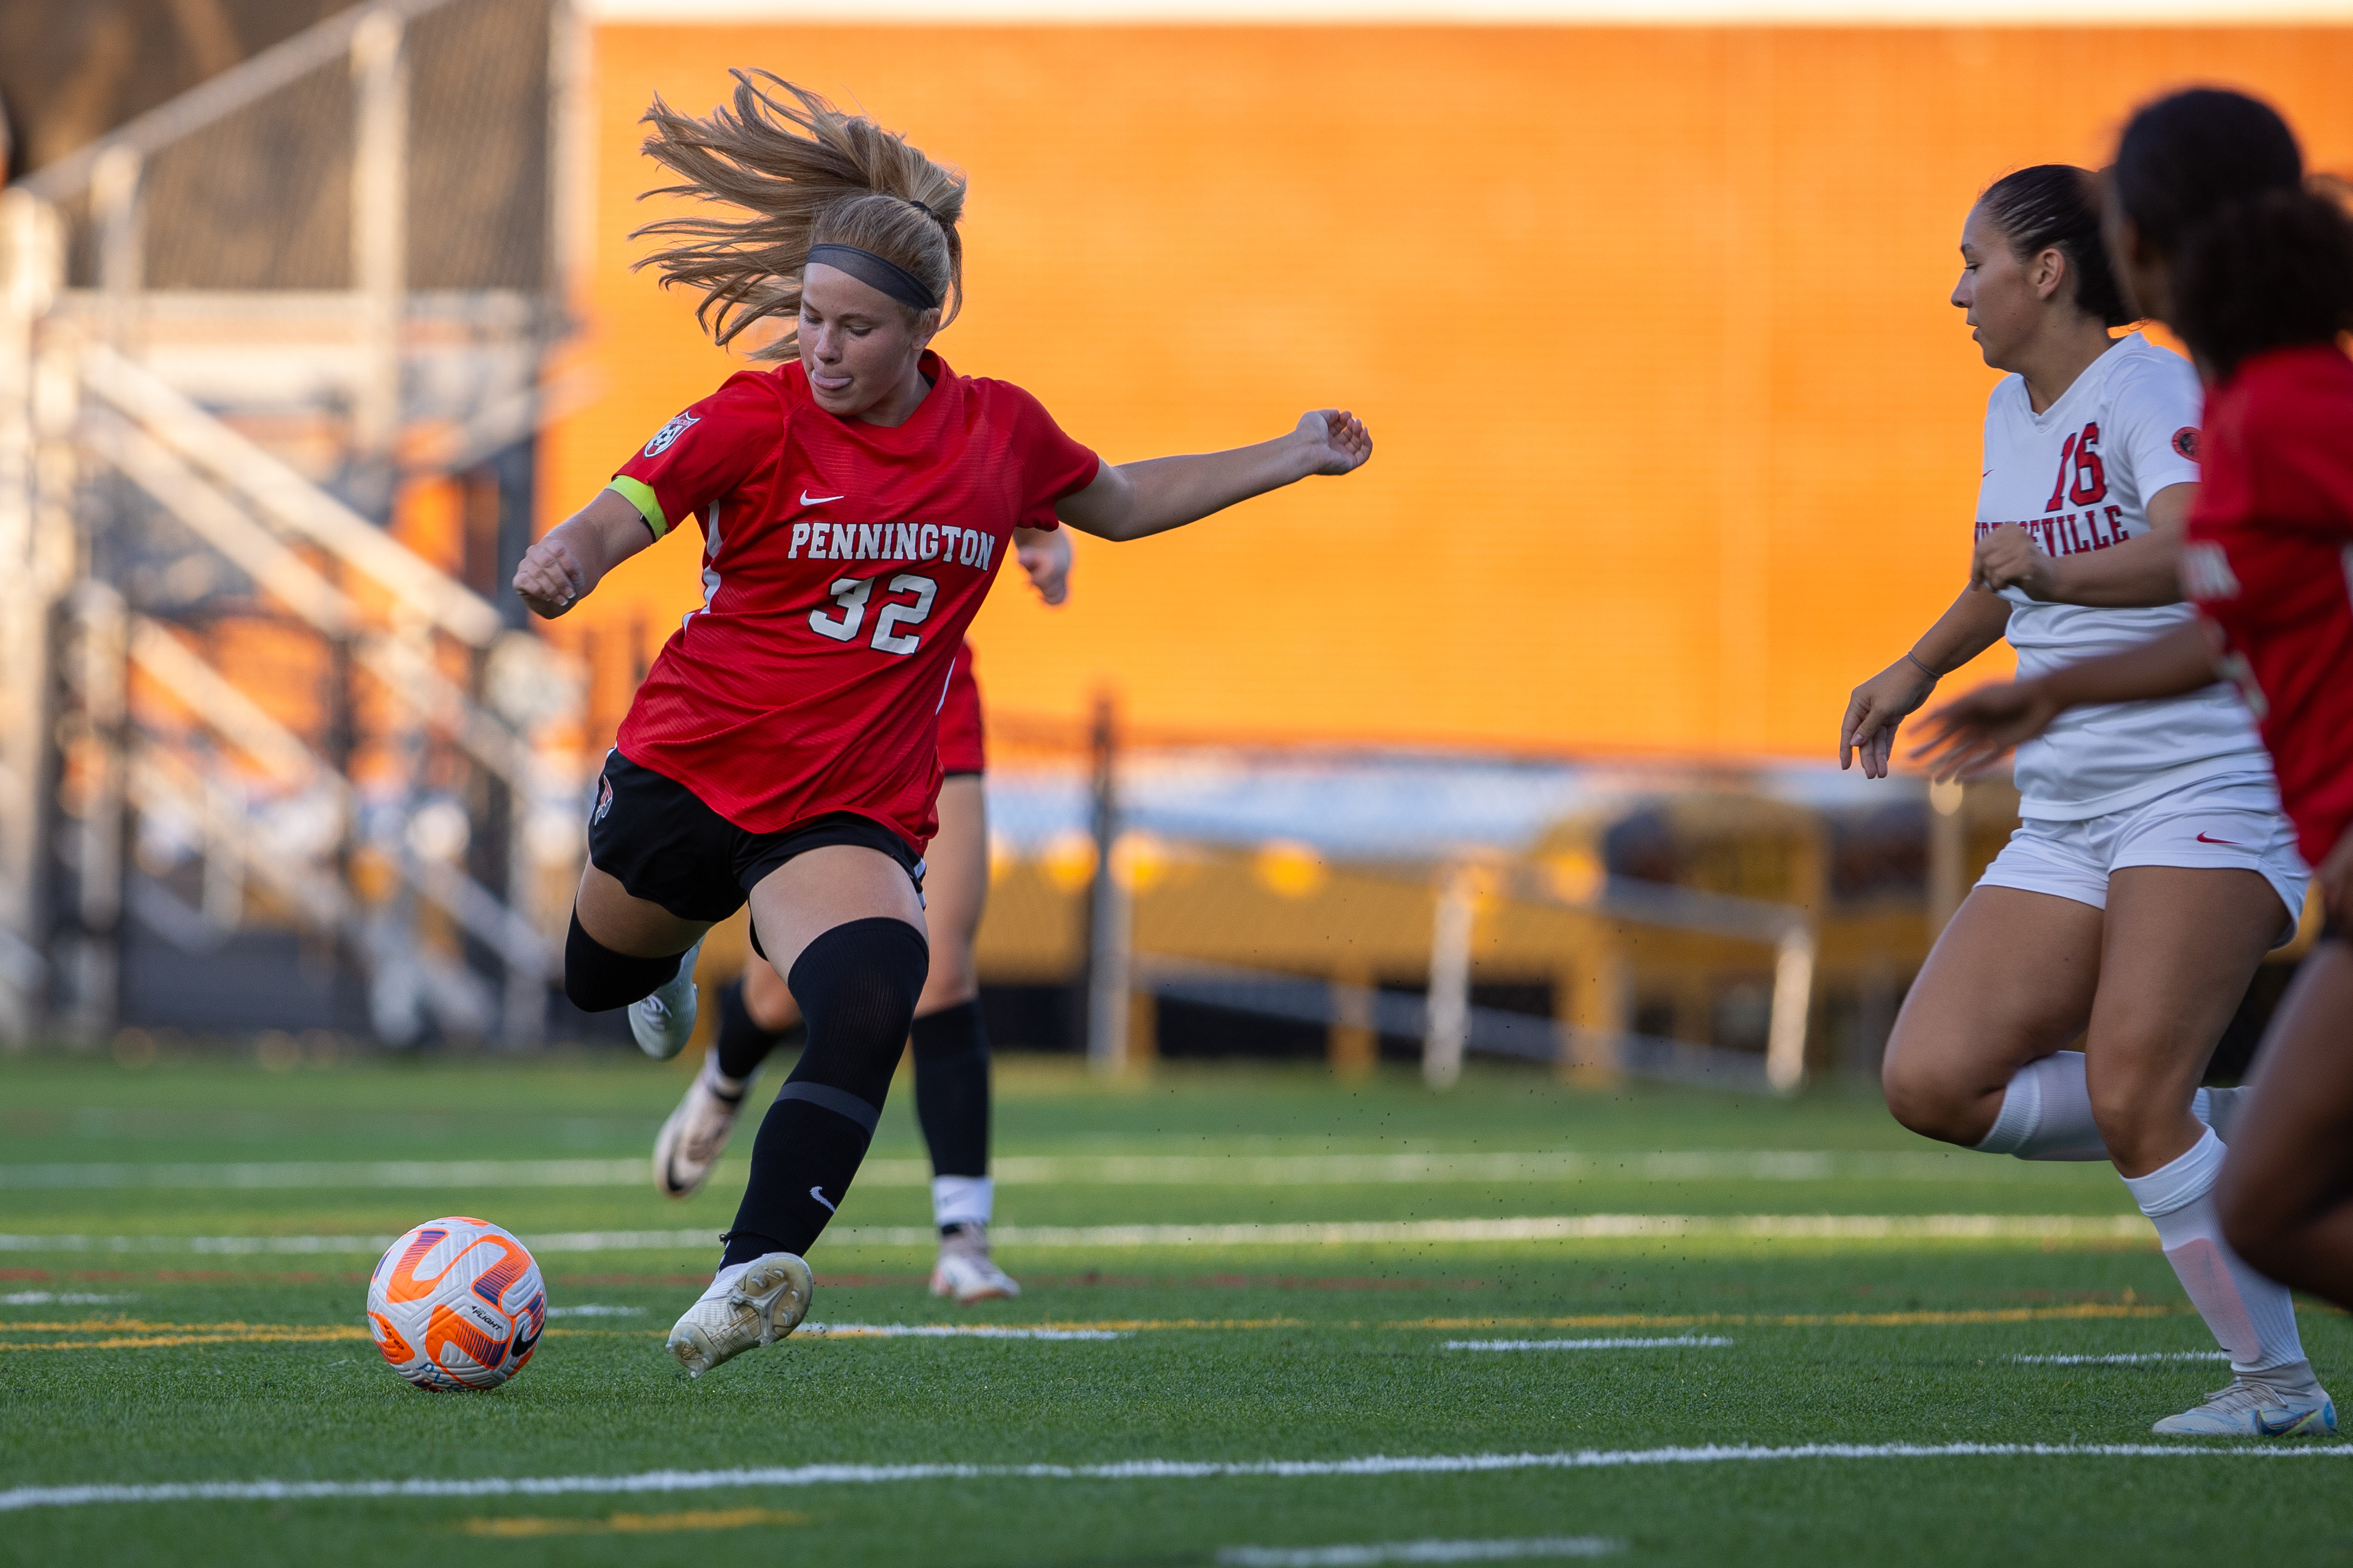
(758,1014)
(855,506)
(2153,868)
(2218,236)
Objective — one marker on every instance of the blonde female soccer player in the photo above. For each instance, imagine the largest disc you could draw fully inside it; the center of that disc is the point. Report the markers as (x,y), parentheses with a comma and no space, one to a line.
(855,504)
(2153,868)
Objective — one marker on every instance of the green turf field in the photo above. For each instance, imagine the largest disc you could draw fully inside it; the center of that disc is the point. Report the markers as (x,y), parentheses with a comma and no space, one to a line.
(1254,1269)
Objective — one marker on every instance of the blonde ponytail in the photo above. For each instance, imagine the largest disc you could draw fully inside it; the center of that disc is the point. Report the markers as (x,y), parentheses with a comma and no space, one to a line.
(804,174)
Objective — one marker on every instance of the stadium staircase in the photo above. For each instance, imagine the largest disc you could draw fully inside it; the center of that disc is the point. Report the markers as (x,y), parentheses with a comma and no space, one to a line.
(263,763)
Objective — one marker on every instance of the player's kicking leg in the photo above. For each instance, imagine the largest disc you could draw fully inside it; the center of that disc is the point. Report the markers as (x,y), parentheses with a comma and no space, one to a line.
(844,923)
(757,1015)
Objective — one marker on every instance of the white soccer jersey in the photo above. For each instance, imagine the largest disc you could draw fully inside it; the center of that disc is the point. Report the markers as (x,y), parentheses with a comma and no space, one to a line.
(2078,477)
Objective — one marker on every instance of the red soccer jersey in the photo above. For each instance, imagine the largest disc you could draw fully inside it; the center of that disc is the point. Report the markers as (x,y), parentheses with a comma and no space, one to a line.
(964,740)
(2270,562)
(841,564)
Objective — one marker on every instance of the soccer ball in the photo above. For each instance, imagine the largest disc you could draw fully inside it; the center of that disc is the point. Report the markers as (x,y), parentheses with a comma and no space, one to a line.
(455,1303)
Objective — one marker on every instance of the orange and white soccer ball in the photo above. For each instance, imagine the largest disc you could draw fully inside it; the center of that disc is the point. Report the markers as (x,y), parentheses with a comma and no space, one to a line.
(456,1303)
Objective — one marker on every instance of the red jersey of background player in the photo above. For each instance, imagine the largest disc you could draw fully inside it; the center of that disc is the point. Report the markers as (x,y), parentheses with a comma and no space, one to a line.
(842,561)
(964,740)
(2270,562)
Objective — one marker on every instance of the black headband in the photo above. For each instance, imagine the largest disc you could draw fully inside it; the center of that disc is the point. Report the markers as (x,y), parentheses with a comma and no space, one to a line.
(870,269)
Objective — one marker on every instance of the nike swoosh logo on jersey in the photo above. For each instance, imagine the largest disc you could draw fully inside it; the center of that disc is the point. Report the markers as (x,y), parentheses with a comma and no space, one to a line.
(2231,842)
(808,499)
(814,1192)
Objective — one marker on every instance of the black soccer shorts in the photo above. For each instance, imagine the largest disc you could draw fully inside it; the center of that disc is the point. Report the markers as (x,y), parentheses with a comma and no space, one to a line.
(663,844)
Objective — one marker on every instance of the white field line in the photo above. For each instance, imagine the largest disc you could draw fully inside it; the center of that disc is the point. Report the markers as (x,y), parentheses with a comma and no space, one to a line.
(85,1496)
(1585,1344)
(592,1310)
(948,1331)
(1137,1169)
(2119,1360)
(1366,1555)
(1542,1227)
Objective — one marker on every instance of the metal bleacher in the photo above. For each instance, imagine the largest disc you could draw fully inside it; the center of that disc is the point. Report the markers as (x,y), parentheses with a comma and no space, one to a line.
(267,758)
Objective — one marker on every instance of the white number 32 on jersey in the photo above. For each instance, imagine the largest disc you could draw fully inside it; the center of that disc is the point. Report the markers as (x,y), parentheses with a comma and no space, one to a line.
(852,594)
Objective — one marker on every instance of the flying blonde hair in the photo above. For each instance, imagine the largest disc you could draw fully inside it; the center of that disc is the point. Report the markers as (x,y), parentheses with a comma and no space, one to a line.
(804,174)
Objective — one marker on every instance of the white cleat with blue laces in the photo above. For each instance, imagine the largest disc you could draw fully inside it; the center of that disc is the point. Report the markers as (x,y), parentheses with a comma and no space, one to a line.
(2259,1407)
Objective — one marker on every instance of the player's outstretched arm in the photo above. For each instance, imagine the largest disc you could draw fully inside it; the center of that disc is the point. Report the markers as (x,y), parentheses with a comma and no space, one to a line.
(1973,731)
(1135,500)
(1873,708)
(566,565)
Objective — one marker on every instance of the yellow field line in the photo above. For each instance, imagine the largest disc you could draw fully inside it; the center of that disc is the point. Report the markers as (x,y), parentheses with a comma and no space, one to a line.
(517,1527)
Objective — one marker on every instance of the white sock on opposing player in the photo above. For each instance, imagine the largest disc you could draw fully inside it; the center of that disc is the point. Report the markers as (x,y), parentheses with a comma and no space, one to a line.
(2046,1112)
(963,1200)
(2253,1318)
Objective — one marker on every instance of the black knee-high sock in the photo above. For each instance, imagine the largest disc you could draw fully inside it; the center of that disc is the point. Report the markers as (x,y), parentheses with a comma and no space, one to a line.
(742,1045)
(952,1089)
(857,985)
(599,979)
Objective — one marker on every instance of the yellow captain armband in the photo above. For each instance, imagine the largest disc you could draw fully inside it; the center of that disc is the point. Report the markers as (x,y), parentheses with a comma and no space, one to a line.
(639,494)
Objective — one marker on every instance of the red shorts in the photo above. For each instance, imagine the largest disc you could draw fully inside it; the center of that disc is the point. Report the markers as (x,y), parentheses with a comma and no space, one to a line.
(962,747)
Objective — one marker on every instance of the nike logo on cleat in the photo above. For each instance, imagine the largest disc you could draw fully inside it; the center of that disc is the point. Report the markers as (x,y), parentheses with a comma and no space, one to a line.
(2231,842)
(808,499)
(2289,1421)
(820,1196)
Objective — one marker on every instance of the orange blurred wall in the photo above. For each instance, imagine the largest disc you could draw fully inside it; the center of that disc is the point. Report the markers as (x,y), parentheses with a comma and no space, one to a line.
(1674,423)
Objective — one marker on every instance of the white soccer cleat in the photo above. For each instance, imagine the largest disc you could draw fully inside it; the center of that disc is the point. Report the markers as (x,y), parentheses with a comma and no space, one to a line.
(696,1134)
(664,1021)
(967,1272)
(2252,1409)
(757,1307)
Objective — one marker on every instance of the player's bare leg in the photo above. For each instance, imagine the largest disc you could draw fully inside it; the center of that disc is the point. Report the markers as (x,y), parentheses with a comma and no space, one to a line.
(2287,1188)
(2009,981)
(2152,983)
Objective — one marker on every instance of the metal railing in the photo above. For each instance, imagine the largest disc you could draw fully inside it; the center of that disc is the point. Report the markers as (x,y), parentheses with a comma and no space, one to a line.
(102,453)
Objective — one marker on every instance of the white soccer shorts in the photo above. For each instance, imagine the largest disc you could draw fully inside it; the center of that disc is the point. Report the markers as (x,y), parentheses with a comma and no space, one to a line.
(2232,823)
